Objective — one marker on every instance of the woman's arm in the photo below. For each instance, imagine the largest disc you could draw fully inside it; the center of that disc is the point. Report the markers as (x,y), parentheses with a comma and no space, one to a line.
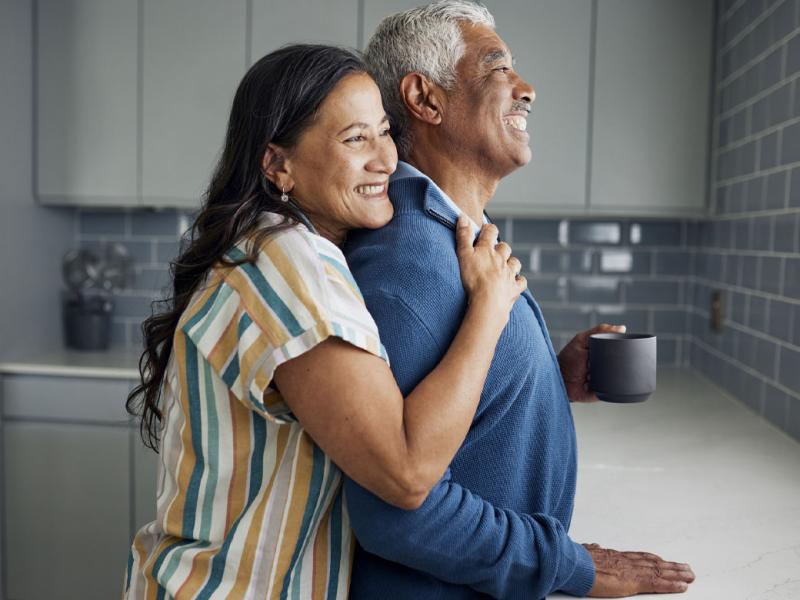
(349,403)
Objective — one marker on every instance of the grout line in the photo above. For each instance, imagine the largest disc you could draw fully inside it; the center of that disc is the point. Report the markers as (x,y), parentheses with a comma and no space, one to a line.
(762,93)
(590,114)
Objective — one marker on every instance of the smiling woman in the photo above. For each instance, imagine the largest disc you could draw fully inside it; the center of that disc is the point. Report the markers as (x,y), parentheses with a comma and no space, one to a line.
(265,375)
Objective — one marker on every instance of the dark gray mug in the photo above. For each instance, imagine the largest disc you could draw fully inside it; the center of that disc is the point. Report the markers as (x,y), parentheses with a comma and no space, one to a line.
(622,366)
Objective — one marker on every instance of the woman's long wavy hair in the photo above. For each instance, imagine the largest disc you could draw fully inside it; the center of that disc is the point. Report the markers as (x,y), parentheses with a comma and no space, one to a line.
(275,103)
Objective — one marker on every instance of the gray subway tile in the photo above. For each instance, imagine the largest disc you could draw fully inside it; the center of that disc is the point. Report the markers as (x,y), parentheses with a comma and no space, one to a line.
(741,234)
(738,125)
(749,272)
(790,150)
(162,222)
(724,133)
(775,195)
(759,116)
(764,357)
(771,268)
(154,279)
(548,289)
(782,20)
(791,278)
(793,414)
(793,56)
(672,263)
(769,151)
(789,368)
(732,269)
(776,405)
(751,391)
(781,315)
(747,158)
(119,332)
(132,306)
(595,232)
(757,313)
(760,37)
(745,348)
(666,351)
(594,290)
(566,319)
(670,321)
(794,187)
(785,237)
(754,195)
(780,104)
(795,325)
(106,223)
(549,261)
(771,69)
(738,196)
(139,251)
(166,251)
(762,233)
(660,233)
(580,261)
(652,292)
(535,231)
(738,307)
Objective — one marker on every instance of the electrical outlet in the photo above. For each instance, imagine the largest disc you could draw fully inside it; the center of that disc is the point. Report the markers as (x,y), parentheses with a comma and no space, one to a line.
(715,313)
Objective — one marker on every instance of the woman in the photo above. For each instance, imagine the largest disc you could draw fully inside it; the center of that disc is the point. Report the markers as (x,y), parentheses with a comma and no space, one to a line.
(267,375)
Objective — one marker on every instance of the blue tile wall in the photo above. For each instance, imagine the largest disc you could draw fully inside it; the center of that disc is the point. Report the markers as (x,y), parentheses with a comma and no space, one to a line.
(748,249)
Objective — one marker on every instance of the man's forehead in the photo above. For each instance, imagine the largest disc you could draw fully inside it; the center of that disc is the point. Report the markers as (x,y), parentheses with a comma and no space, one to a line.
(484,43)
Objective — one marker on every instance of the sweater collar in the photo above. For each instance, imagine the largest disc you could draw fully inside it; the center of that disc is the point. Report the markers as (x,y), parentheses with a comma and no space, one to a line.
(437,203)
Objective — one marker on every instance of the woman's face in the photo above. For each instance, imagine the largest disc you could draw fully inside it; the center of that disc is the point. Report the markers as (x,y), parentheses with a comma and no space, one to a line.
(339,171)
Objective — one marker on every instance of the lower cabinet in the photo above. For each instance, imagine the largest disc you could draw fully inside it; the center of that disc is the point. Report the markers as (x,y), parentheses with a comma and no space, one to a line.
(77,483)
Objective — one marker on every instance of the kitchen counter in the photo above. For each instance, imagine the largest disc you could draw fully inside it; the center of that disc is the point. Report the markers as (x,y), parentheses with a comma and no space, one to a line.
(694,476)
(115,363)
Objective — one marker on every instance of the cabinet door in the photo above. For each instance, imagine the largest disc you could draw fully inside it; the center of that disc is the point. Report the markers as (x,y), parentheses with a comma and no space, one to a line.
(67,510)
(193,54)
(651,106)
(550,41)
(86,101)
(274,24)
(145,481)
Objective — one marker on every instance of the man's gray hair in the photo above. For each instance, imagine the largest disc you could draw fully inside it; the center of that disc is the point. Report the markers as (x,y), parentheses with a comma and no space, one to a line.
(425,40)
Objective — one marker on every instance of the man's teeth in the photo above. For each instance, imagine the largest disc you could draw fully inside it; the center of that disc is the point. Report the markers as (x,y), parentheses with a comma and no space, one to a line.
(369,190)
(516,122)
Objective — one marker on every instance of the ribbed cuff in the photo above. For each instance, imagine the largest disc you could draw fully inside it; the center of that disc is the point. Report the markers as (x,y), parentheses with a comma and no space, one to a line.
(582,578)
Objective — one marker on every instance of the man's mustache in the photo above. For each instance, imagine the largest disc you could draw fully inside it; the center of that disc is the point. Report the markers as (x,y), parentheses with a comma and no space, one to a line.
(518,105)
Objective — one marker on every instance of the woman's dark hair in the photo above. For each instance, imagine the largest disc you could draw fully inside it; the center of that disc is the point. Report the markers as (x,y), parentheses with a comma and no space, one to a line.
(276,101)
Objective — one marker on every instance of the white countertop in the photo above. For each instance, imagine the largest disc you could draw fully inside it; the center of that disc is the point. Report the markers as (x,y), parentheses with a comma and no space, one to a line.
(115,363)
(696,477)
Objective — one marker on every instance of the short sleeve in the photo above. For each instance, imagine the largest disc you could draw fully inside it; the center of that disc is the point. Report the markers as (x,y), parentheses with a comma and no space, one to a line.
(297,294)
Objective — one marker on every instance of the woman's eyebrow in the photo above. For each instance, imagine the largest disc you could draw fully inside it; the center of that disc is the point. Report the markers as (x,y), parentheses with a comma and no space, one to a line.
(362,125)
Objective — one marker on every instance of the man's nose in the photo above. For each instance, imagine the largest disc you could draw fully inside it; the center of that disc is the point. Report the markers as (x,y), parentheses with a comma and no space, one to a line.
(524,91)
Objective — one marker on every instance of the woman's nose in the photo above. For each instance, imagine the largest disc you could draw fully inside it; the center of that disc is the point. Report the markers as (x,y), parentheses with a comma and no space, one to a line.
(384,159)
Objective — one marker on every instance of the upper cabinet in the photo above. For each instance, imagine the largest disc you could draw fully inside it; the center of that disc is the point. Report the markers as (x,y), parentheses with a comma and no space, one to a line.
(133,97)
(86,102)
(652,86)
(193,56)
(551,44)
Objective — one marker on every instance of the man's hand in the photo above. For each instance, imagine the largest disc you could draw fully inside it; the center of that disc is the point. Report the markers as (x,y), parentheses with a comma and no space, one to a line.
(620,574)
(574,362)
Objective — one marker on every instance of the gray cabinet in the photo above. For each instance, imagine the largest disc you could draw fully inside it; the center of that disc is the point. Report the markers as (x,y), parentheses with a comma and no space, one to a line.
(551,43)
(193,56)
(274,24)
(77,483)
(86,102)
(651,106)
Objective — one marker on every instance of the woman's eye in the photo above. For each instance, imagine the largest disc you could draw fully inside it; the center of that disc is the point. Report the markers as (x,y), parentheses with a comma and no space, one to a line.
(386,132)
(356,138)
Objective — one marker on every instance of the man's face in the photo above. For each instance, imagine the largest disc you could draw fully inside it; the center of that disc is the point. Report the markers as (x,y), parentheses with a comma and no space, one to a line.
(486,113)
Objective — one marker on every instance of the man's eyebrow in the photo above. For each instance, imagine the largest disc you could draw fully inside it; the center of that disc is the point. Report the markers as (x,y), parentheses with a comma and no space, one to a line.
(495,55)
(362,125)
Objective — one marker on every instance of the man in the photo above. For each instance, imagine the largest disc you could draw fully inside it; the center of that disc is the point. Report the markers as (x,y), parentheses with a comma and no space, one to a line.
(497,522)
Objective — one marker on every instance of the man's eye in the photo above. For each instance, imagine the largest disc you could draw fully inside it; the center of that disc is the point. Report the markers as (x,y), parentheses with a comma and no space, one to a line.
(503,69)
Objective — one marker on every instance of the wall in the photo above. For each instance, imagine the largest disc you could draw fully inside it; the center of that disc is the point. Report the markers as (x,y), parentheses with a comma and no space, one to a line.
(34,238)
(748,250)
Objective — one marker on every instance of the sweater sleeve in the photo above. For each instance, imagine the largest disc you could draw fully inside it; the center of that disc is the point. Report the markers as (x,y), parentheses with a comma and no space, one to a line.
(455,535)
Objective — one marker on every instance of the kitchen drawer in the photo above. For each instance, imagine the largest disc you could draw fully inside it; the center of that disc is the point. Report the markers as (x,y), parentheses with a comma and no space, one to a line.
(43,397)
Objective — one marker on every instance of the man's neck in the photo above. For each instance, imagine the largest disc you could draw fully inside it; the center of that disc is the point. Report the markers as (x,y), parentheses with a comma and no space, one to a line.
(467,188)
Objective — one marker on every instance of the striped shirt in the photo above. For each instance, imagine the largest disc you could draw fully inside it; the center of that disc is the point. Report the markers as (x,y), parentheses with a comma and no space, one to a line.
(247,505)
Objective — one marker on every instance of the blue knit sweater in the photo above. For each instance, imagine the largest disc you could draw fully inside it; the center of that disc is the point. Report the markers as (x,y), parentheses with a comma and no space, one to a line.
(496,524)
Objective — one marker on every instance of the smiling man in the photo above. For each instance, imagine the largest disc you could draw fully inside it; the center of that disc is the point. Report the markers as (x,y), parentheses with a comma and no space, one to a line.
(497,523)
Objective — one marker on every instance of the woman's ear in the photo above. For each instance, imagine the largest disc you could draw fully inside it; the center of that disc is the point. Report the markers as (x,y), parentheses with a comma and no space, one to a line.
(276,168)
(423,99)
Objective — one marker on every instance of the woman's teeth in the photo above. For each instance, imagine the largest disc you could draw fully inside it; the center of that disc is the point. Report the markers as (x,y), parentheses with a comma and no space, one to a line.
(370,190)
(520,123)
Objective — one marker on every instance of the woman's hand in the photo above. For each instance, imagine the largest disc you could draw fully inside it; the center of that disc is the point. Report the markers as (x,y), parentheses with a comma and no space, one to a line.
(488,271)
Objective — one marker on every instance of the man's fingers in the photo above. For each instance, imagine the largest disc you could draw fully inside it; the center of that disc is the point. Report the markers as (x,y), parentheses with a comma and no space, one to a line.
(666,586)
(503,250)
(463,236)
(488,236)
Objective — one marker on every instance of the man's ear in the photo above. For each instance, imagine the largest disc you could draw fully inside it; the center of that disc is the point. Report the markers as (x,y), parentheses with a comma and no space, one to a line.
(423,98)
(275,166)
